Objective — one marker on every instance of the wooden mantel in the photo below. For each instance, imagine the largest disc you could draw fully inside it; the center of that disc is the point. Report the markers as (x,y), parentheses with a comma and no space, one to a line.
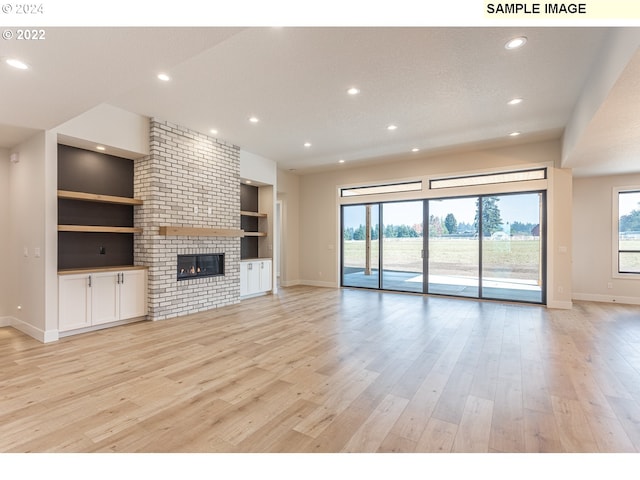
(200,232)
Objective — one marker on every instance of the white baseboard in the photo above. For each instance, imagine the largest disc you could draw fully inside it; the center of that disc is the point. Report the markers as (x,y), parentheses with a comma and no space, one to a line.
(5,321)
(44,336)
(592,297)
(314,283)
(290,283)
(560,305)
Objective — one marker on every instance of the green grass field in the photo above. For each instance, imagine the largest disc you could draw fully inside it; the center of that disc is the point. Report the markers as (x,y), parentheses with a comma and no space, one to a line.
(511,258)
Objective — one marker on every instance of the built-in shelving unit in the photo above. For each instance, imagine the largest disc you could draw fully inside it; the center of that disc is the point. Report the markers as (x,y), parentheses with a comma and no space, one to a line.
(256,264)
(253,222)
(97,198)
(245,213)
(98,283)
(95,209)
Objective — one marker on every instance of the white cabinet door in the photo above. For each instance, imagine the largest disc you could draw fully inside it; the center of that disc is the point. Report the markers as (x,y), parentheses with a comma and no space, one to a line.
(74,304)
(100,297)
(244,278)
(133,294)
(255,277)
(104,297)
(249,278)
(265,275)
(246,270)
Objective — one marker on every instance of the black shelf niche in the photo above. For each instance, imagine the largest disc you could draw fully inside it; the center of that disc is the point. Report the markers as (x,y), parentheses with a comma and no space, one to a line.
(248,203)
(86,171)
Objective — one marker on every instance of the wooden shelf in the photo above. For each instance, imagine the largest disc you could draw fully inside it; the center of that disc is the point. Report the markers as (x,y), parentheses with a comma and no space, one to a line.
(120,268)
(253,214)
(255,234)
(200,232)
(94,197)
(98,229)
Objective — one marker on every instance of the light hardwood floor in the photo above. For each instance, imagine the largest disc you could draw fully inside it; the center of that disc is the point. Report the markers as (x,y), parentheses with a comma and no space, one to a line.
(329,370)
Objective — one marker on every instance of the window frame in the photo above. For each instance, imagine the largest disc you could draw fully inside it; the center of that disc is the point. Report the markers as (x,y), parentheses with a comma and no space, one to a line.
(615,237)
(489,178)
(380,189)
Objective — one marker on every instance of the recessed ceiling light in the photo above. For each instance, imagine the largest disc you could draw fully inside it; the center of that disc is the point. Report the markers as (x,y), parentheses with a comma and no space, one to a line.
(307,144)
(514,134)
(515,43)
(341,161)
(164,77)
(254,119)
(415,150)
(214,131)
(514,101)
(15,63)
(353,91)
(392,127)
(248,182)
(101,148)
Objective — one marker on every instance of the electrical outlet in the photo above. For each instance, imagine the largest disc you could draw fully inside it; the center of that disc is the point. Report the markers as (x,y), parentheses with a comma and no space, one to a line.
(610,285)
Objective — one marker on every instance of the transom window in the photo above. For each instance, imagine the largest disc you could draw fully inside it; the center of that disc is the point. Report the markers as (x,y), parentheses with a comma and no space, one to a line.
(489,178)
(377,189)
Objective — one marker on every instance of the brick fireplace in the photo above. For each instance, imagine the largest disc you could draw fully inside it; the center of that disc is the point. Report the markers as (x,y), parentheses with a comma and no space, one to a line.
(188,180)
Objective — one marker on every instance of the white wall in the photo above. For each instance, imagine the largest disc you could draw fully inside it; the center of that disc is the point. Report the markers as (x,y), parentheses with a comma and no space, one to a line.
(289,196)
(560,239)
(33,238)
(4,238)
(125,133)
(593,245)
(257,168)
(319,238)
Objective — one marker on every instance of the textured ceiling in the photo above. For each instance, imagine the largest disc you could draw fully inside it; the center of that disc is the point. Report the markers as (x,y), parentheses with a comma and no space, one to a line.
(443,87)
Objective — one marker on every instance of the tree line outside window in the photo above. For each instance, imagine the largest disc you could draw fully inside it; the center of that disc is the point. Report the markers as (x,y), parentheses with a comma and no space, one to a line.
(448,225)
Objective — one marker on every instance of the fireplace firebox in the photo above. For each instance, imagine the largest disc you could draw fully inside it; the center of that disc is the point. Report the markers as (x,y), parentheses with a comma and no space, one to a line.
(200,265)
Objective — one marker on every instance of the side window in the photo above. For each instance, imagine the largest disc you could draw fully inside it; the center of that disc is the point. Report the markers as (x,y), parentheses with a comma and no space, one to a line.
(629,232)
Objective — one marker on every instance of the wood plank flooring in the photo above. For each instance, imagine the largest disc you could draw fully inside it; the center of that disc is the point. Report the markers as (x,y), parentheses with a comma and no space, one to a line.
(329,370)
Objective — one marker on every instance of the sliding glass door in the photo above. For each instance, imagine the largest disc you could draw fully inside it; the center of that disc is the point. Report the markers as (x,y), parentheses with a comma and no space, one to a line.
(402,246)
(488,246)
(512,249)
(453,251)
(360,246)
